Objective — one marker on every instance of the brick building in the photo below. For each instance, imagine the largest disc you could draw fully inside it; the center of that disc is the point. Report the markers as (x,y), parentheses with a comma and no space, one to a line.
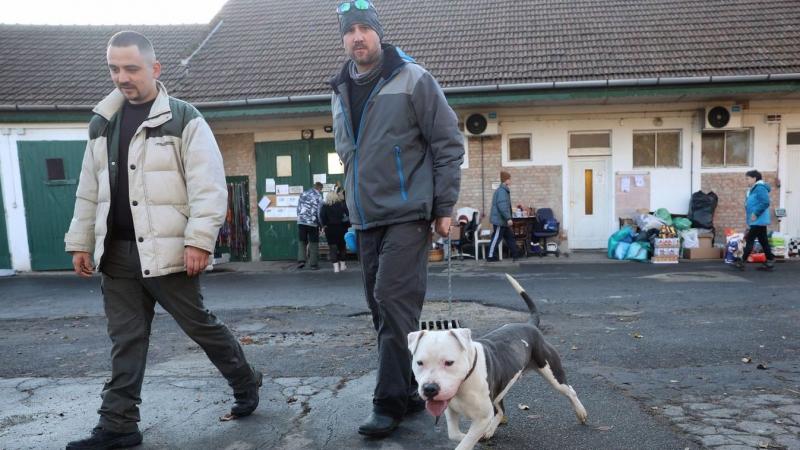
(597,109)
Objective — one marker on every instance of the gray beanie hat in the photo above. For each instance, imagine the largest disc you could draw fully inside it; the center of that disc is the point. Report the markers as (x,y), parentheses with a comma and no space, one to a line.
(368,17)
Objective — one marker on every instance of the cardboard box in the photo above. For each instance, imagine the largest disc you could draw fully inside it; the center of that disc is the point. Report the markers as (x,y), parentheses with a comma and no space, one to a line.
(705,242)
(703,253)
(667,243)
(667,251)
(664,259)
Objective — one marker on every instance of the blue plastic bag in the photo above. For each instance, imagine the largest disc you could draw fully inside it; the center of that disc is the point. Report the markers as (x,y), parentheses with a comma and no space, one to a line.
(621,250)
(625,234)
(350,241)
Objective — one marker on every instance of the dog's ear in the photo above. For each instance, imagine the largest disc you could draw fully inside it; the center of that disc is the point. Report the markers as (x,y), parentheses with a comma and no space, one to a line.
(413,340)
(464,337)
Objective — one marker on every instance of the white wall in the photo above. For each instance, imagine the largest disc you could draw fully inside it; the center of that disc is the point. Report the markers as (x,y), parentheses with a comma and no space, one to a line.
(12,180)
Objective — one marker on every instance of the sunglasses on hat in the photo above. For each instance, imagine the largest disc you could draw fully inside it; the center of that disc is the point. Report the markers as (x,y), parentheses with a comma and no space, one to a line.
(362,5)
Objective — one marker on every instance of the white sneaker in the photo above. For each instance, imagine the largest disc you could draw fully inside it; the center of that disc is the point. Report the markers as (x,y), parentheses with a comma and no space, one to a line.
(336,267)
(342,266)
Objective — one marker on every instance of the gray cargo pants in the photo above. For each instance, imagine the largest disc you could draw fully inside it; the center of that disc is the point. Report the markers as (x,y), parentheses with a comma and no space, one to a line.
(394,260)
(129,301)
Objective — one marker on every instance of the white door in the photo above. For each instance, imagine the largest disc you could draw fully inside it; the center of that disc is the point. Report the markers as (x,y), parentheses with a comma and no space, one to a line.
(589,202)
(793,185)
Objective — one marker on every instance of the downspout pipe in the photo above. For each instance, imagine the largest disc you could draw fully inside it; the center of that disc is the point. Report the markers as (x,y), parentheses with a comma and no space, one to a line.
(606,83)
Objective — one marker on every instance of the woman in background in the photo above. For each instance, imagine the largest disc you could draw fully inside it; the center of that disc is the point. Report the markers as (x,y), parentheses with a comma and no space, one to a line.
(335,221)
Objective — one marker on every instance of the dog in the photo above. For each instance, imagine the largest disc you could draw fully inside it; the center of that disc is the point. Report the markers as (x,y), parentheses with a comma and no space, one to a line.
(464,377)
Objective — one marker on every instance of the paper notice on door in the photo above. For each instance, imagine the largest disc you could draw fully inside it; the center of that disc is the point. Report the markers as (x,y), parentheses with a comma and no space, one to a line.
(282,189)
(295,189)
(320,178)
(287,200)
(625,184)
(264,203)
(639,180)
(328,187)
(270,186)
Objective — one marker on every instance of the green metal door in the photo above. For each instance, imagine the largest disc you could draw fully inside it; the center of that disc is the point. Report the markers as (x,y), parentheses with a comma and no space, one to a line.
(50,171)
(279,238)
(325,160)
(5,253)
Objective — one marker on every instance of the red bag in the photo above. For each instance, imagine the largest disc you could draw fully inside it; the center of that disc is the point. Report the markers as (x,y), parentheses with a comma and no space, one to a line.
(757,258)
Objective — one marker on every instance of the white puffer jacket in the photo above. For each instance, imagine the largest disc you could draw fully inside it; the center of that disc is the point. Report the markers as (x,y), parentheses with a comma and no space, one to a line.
(176,184)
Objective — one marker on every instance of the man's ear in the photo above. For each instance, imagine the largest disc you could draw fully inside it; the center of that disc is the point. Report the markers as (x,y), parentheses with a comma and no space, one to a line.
(413,340)
(464,337)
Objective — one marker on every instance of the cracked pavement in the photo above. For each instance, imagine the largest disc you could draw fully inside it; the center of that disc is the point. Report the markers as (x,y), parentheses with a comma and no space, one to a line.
(662,357)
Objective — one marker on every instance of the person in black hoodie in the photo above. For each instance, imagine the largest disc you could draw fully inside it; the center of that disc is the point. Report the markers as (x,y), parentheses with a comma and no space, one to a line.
(335,221)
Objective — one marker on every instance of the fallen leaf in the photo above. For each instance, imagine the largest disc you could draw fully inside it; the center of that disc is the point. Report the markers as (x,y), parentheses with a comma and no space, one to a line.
(762,366)
(747,360)
(523,407)
(504,420)
(604,428)
(637,335)
(246,340)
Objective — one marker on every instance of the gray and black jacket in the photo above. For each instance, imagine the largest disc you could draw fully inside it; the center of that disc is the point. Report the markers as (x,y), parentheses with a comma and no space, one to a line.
(405,164)
(501,206)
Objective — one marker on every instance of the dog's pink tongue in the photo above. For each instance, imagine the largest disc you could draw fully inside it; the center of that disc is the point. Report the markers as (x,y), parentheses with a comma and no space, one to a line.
(436,407)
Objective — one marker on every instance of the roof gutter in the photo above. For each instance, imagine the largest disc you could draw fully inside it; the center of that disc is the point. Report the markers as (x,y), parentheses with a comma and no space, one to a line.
(553,85)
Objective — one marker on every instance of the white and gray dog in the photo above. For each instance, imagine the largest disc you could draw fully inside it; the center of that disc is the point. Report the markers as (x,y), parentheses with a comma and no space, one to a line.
(464,377)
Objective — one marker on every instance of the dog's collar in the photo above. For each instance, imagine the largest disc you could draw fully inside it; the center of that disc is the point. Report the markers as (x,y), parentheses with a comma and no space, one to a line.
(472,369)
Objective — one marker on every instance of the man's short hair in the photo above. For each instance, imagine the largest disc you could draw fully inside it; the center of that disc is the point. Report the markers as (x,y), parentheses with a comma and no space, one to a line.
(128,38)
(754,174)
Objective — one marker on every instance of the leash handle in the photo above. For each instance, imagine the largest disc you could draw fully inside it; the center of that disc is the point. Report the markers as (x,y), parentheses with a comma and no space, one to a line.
(449,274)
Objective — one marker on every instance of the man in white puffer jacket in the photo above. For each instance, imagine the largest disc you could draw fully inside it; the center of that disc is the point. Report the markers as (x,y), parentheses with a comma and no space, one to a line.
(150,202)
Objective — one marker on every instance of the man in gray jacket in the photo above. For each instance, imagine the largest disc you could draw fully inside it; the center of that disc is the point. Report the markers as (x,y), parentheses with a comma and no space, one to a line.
(402,150)
(149,204)
(501,218)
(308,227)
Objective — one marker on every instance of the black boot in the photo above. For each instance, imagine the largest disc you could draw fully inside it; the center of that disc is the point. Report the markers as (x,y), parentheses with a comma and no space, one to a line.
(378,425)
(104,440)
(247,398)
(739,263)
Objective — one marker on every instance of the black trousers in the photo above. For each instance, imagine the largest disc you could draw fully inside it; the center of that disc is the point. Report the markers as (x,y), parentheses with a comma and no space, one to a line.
(394,260)
(757,232)
(336,244)
(129,302)
(502,232)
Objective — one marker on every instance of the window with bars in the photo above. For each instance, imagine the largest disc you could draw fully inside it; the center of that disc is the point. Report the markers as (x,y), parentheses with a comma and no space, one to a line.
(728,148)
(656,149)
(519,147)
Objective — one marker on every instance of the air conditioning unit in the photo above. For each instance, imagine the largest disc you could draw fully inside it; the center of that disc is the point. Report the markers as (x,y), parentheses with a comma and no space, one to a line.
(481,124)
(723,116)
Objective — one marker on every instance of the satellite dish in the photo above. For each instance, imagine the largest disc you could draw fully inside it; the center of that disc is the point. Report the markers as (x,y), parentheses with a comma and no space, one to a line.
(718,117)
(476,123)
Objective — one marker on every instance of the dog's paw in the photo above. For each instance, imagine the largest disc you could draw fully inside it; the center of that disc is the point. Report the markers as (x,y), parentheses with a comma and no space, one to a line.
(581,414)
(458,437)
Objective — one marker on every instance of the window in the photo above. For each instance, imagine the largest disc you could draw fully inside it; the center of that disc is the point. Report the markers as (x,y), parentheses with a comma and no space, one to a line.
(335,166)
(657,149)
(519,147)
(793,138)
(55,169)
(730,148)
(590,140)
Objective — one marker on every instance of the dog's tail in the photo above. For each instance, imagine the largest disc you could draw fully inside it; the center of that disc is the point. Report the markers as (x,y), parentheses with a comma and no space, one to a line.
(534,318)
